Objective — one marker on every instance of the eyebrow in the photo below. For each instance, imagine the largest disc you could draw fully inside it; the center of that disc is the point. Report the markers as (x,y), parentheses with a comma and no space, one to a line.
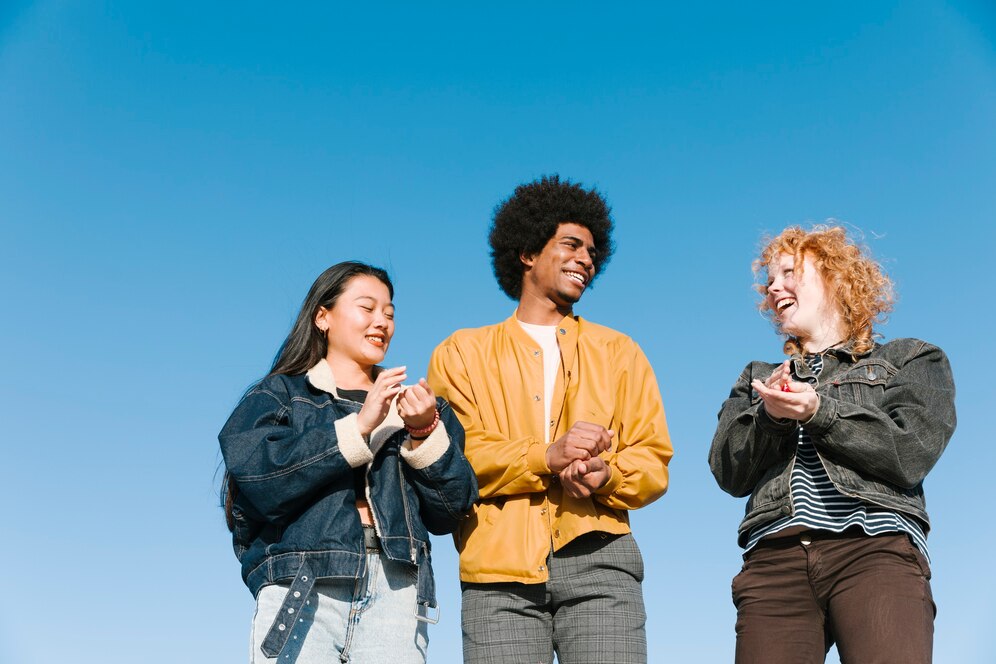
(371,298)
(578,240)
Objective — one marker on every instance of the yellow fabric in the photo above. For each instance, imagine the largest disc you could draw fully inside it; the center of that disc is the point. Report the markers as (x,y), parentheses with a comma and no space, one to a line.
(493,378)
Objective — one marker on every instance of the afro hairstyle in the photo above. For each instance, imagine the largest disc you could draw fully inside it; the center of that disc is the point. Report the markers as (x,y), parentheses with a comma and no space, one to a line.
(525,222)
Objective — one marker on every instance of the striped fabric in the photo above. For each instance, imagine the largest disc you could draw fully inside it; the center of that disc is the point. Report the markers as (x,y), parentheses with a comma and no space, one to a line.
(818,505)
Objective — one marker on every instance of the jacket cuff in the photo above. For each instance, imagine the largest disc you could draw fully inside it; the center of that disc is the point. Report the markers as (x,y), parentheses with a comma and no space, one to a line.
(536,458)
(767,424)
(429,452)
(615,479)
(351,442)
(824,416)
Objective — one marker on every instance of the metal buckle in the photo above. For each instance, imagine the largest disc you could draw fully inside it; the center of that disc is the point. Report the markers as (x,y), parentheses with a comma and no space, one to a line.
(426,618)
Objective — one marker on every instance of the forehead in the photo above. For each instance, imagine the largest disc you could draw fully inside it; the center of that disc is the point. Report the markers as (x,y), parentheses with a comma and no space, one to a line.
(363,285)
(571,229)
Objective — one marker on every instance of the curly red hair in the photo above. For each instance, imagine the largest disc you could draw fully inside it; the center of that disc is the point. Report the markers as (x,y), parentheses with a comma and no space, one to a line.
(862,292)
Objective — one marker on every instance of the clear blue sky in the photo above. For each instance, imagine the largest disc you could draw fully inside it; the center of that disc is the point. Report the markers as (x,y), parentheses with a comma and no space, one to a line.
(174,175)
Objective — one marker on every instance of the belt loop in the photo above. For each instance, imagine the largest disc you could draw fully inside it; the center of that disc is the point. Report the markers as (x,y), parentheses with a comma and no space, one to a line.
(284,621)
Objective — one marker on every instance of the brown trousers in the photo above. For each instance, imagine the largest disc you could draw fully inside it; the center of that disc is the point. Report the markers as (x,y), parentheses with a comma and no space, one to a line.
(799,595)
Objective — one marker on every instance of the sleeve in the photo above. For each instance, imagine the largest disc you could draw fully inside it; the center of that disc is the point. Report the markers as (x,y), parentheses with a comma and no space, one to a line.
(900,436)
(440,474)
(639,461)
(504,467)
(278,464)
(747,441)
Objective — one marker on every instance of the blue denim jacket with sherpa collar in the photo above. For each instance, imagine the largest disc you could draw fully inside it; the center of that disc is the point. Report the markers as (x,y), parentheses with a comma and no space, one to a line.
(883,421)
(291,446)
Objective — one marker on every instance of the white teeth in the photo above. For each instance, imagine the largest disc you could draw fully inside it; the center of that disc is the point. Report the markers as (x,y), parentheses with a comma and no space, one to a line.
(576,277)
(784,304)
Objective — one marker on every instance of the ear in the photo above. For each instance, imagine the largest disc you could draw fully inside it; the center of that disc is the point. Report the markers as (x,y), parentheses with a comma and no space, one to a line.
(527,259)
(320,316)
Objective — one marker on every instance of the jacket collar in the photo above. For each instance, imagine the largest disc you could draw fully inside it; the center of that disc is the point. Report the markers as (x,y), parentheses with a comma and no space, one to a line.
(320,376)
(567,327)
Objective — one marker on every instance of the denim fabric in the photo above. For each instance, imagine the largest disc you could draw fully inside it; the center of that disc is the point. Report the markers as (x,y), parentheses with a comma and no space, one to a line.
(295,516)
(370,620)
(884,419)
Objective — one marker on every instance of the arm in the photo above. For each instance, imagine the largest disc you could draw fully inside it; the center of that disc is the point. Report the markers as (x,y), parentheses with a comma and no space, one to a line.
(747,441)
(900,435)
(638,473)
(279,465)
(439,473)
(503,466)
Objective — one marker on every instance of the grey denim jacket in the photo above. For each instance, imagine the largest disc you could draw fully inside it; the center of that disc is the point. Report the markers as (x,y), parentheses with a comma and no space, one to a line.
(883,421)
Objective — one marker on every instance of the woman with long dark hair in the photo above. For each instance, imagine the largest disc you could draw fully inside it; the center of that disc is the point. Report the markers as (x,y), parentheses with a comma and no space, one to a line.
(336,473)
(832,446)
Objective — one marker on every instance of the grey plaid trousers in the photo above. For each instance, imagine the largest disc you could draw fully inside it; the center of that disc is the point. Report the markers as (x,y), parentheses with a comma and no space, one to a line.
(590,611)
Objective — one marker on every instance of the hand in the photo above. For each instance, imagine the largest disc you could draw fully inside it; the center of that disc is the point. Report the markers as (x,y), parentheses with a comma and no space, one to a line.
(378,401)
(582,478)
(780,377)
(417,405)
(584,441)
(798,403)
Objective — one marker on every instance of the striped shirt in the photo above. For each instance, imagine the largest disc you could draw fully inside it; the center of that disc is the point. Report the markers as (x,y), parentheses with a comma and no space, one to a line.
(818,505)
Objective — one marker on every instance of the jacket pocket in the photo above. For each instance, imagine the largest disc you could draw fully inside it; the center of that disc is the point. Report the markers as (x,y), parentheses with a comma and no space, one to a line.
(864,383)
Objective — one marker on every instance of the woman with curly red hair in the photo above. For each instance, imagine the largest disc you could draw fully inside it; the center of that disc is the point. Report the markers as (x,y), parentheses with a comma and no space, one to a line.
(832,446)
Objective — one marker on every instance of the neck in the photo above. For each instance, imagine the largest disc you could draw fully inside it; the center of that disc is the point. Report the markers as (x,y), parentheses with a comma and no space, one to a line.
(348,374)
(540,310)
(821,342)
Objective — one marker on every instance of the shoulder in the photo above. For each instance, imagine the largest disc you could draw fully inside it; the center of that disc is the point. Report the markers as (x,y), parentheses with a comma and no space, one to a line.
(594,333)
(902,350)
(280,386)
(469,337)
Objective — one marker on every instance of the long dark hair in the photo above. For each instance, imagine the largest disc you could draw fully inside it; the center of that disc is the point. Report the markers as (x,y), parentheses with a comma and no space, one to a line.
(306,344)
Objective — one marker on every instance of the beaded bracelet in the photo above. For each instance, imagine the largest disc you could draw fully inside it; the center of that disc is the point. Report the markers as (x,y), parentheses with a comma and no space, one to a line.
(424,432)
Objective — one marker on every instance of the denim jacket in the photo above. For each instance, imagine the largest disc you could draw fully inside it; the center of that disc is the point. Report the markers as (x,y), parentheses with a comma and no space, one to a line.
(291,446)
(883,421)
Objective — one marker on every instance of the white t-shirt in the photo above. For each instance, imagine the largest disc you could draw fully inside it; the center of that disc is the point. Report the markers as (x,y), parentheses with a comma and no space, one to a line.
(546,337)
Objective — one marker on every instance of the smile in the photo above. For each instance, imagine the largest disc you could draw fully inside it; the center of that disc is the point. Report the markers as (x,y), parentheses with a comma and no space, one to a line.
(577,276)
(376,339)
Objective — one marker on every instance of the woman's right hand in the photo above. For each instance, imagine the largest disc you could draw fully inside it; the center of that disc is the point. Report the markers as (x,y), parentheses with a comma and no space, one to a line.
(379,398)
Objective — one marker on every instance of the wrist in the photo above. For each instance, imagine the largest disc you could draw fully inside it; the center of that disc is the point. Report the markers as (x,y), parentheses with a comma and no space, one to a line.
(421,433)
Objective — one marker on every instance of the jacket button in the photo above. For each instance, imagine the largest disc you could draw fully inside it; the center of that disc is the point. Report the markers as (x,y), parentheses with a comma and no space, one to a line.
(536,397)
(536,353)
(563,331)
(543,511)
(542,568)
(556,534)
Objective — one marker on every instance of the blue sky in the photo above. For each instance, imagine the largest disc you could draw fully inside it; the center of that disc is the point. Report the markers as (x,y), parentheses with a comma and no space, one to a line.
(173,176)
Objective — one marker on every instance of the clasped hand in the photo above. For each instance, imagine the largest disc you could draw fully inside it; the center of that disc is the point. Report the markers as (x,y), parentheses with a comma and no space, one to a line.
(785,398)
(574,457)
(416,403)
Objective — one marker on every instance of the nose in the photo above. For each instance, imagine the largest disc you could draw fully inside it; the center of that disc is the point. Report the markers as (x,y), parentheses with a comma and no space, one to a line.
(583,258)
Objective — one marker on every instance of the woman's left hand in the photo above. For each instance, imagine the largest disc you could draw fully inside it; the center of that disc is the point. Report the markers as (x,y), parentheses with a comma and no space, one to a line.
(417,405)
(799,402)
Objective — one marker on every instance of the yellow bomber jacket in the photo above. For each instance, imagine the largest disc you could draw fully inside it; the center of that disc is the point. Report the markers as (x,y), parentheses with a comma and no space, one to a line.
(493,378)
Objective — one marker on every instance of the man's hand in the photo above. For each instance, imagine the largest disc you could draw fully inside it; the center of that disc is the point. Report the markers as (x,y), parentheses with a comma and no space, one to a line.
(583,442)
(583,478)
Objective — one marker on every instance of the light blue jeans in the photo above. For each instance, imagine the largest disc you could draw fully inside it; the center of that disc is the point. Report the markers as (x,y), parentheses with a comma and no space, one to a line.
(369,621)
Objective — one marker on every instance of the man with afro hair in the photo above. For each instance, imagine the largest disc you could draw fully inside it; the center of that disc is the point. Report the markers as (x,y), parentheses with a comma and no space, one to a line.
(566,432)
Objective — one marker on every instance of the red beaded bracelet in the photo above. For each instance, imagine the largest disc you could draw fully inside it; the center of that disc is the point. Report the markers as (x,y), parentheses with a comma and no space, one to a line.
(424,431)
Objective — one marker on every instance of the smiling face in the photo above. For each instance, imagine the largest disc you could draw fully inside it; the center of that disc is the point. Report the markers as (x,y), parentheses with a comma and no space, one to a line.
(562,270)
(360,324)
(801,304)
